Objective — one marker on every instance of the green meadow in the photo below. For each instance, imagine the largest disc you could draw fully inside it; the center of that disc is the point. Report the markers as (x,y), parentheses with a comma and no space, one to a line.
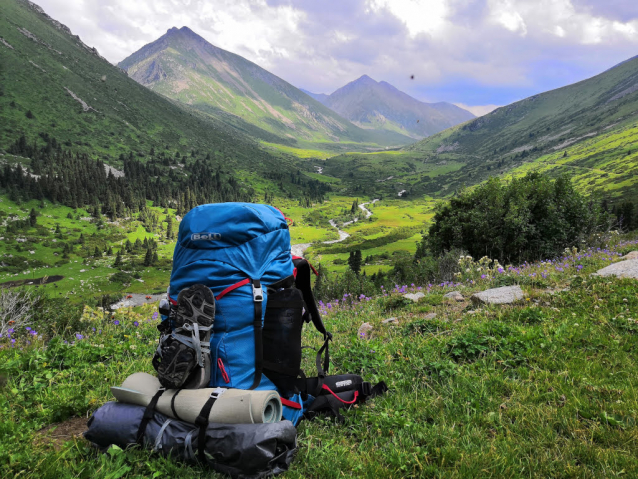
(545,387)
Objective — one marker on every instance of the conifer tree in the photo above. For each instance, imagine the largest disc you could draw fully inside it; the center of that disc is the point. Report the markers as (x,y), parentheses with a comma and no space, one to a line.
(148,258)
(118,260)
(33,217)
(169,227)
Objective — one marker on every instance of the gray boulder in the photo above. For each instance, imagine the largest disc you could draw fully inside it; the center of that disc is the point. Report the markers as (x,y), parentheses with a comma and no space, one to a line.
(504,295)
(365,331)
(622,269)
(414,296)
(390,320)
(454,295)
(630,255)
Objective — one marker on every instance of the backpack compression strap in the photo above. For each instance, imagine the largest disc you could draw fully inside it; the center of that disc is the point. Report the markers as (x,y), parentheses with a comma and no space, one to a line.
(149,412)
(302,283)
(258,299)
(202,422)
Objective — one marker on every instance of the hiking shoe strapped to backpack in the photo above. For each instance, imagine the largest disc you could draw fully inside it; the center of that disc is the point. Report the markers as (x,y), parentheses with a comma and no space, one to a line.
(182,359)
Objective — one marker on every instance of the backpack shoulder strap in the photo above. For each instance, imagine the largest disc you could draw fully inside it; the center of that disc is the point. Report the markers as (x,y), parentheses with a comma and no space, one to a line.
(302,283)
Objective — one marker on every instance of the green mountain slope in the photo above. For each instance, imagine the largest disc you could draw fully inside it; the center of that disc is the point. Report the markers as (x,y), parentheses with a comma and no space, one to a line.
(53,84)
(372,104)
(544,124)
(183,66)
(606,163)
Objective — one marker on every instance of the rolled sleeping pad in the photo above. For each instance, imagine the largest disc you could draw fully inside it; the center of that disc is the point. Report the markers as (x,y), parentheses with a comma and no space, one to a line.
(238,450)
(233,406)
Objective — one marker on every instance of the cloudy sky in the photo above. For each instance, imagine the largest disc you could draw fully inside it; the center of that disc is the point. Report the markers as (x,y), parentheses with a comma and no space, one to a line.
(476,53)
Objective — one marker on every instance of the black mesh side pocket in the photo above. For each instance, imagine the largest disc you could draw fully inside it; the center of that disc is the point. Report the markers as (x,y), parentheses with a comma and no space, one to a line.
(282,338)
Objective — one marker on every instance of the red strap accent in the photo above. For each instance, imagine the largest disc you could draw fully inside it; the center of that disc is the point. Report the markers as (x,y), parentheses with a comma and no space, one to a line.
(294,272)
(294,405)
(288,220)
(313,269)
(225,377)
(311,266)
(356,394)
(232,288)
(173,302)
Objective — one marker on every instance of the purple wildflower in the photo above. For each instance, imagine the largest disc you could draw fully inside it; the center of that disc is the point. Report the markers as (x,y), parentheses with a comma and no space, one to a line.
(79,336)
(136,324)
(116,322)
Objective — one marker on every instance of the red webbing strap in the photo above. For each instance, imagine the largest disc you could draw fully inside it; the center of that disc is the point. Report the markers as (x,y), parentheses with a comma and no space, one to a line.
(311,266)
(232,288)
(220,365)
(288,220)
(356,394)
(292,404)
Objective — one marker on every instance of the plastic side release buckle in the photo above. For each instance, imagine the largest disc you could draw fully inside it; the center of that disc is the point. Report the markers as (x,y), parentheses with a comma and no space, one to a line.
(258,294)
(215,393)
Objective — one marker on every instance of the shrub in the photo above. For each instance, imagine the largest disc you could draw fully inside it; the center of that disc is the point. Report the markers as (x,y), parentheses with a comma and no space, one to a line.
(121,277)
(530,218)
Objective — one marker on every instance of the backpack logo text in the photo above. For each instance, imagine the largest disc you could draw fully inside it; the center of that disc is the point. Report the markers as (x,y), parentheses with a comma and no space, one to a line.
(205,237)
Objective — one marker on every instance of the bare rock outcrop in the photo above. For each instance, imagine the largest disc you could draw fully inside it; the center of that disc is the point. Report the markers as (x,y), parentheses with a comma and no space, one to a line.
(504,295)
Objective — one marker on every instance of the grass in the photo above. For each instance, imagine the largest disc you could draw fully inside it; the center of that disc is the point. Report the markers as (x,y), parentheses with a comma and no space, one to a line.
(603,164)
(544,388)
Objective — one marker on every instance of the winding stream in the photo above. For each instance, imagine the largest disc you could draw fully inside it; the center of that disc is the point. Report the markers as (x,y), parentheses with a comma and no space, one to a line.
(299,249)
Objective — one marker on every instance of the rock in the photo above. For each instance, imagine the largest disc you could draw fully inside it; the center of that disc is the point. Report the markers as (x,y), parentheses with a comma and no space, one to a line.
(430,316)
(365,331)
(631,255)
(454,295)
(622,269)
(504,295)
(414,296)
(389,320)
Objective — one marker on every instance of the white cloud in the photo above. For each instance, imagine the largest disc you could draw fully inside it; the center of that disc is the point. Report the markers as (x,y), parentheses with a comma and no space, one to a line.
(478,110)
(120,27)
(504,13)
(518,46)
(419,16)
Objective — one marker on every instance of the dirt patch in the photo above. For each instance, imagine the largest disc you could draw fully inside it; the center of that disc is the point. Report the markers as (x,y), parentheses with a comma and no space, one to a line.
(37,281)
(57,434)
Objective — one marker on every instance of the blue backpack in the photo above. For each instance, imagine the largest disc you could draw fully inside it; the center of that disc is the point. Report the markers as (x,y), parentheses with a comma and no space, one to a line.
(249,335)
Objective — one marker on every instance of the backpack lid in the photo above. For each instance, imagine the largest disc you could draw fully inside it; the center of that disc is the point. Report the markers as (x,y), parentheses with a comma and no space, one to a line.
(224,225)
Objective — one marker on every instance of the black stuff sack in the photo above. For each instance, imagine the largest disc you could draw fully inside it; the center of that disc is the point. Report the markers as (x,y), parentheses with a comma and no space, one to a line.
(332,393)
(244,451)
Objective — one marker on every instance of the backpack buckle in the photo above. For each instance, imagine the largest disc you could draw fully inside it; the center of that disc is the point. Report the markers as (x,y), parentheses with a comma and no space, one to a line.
(215,393)
(258,294)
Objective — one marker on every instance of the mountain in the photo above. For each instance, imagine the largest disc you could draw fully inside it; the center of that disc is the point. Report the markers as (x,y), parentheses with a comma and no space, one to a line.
(379,105)
(320,97)
(183,66)
(52,85)
(542,126)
